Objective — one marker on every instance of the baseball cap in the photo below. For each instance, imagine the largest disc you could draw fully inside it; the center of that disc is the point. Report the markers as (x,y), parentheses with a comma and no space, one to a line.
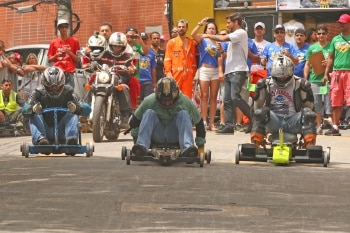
(164,37)
(344,18)
(144,35)
(300,30)
(131,29)
(259,24)
(279,26)
(62,21)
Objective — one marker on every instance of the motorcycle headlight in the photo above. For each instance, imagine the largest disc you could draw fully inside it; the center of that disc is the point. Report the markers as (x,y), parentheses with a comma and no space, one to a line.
(103,78)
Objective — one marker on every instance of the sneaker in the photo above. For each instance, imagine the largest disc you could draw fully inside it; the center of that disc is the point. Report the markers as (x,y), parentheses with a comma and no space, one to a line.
(139,150)
(43,141)
(249,127)
(332,132)
(239,128)
(226,130)
(319,131)
(72,141)
(190,152)
(221,126)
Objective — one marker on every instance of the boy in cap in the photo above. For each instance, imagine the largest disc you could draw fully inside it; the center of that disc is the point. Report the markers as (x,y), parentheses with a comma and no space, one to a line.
(300,49)
(62,51)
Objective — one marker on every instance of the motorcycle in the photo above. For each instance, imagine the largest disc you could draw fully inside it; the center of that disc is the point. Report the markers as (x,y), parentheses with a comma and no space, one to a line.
(105,117)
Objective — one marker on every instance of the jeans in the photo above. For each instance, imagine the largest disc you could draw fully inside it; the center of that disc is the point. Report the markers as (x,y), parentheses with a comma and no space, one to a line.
(179,131)
(68,124)
(232,97)
(291,124)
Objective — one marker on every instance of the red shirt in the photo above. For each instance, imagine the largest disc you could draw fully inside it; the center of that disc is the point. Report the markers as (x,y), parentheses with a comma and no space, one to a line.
(65,62)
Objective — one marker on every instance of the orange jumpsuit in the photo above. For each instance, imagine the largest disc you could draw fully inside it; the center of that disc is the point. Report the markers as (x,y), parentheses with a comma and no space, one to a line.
(181,64)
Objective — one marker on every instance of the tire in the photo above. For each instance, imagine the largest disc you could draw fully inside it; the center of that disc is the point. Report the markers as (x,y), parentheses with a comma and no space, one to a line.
(89,149)
(326,157)
(128,157)
(201,159)
(25,149)
(99,119)
(208,156)
(238,154)
(124,152)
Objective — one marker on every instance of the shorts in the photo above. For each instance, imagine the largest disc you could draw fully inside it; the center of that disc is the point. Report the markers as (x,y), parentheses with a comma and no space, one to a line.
(322,102)
(340,88)
(208,74)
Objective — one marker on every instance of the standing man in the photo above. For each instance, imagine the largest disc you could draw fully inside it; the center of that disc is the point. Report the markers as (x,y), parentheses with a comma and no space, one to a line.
(322,101)
(3,61)
(339,57)
(159,54)
(106,30)
(274,49)
(180,59)
(236,69)
(148,78)
(257,70)
(300,49)
(62,52)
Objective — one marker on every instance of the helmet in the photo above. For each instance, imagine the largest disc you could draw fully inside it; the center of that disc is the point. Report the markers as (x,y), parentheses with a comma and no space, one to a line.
(117,39)
(53,76)
(282,67)
(97,44)
(167,89)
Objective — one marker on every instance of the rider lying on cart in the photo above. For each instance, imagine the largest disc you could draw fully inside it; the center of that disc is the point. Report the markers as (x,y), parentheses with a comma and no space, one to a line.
(166,118)
(283,101)
(53,93)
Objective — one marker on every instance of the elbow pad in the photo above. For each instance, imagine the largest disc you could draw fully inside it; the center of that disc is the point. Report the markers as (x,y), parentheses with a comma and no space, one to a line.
(134,122)
(260,85)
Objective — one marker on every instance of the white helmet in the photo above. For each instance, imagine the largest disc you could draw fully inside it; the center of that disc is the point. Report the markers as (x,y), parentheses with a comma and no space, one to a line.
(117,39)
(97,43)
(282,71)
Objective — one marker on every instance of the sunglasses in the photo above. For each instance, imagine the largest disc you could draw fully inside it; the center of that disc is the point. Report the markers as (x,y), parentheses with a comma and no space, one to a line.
(321,33)
(279,32)
(63,26)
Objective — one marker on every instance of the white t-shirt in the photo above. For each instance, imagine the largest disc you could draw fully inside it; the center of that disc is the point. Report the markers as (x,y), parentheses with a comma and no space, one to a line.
(237,52)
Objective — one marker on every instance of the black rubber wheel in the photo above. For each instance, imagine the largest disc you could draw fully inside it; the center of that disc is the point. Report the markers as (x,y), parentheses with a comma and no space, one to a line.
(98,119)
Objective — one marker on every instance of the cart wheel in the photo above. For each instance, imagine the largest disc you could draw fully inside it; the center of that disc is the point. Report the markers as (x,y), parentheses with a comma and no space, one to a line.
(238,154)
(128,157)
(326,155)
(124,152)
(25,149)
(329,153)
(208,156)
(89,149)
(201,159)
(21,147)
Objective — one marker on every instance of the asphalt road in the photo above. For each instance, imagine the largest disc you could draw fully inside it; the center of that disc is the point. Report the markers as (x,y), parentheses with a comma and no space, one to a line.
(103,194)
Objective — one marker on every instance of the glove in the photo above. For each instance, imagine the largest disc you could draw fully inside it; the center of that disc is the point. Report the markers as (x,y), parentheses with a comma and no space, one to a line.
(93,65)
(200,141)
(71,106)
(37,108)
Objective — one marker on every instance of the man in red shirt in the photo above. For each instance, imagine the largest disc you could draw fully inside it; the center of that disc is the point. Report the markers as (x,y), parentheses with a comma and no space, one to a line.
(62,51)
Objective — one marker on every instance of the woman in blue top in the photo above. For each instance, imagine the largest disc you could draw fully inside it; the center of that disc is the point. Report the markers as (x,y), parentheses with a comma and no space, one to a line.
(208,71)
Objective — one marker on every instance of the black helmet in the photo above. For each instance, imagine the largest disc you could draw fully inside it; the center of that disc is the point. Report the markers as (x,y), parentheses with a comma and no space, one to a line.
(53,76)
(282,71)
(167,89)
